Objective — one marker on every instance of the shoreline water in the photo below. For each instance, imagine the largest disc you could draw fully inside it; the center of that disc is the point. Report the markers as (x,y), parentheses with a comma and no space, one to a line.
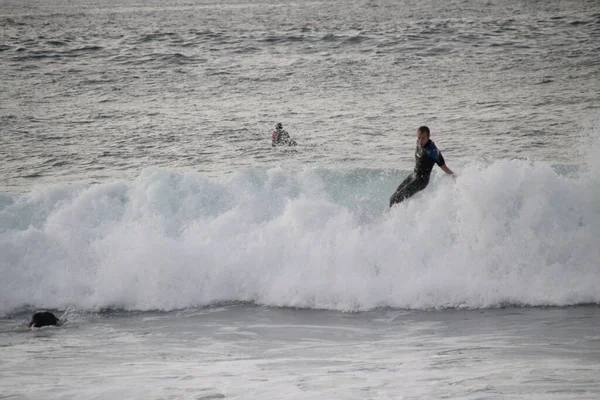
(241,351)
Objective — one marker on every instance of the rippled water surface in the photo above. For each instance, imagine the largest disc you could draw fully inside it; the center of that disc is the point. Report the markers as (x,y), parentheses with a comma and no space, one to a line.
(94,91)
(241,271)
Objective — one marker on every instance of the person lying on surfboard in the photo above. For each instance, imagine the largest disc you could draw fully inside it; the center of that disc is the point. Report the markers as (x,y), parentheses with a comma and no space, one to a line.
(426,155)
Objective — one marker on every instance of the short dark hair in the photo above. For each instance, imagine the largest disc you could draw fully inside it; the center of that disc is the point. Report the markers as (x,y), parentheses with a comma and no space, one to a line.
(424,129)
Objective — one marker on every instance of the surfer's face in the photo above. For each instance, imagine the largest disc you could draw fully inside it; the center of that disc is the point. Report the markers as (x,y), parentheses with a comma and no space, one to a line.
(422,138)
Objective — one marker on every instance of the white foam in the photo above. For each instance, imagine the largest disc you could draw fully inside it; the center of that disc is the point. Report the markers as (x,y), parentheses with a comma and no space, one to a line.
(508,232)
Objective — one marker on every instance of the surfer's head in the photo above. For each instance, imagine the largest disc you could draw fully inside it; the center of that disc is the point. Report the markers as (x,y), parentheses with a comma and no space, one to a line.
(422,135)
(44,318)
(279,126)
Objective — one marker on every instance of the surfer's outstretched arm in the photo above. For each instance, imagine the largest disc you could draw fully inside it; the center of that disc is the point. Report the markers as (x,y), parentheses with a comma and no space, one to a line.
(447,170)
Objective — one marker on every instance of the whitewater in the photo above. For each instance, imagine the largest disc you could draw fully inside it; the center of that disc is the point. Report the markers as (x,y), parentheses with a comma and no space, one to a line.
(506,233)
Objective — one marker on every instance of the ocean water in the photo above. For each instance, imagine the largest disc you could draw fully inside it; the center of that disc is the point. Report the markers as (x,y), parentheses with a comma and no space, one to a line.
(141,200)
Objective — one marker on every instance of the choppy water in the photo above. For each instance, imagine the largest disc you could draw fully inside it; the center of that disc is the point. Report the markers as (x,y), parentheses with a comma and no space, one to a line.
(139,191)
(243,352)
(97,91)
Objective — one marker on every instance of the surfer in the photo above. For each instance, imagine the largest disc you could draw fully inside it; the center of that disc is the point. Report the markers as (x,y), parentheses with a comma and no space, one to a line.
(280,137)
(44,318)
(426,155)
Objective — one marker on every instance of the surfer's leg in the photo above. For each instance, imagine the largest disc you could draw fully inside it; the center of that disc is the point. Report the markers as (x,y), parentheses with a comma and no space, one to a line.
(416,187)
(407,189)
(398,195)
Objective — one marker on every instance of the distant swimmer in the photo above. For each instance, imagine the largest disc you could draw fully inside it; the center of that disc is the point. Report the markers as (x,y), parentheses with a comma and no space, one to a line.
(44,318)
(426,155)
(280,137)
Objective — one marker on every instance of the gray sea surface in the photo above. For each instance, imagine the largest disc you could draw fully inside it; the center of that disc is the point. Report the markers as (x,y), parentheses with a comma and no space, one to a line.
(247,352)
(141,200)
(97,90)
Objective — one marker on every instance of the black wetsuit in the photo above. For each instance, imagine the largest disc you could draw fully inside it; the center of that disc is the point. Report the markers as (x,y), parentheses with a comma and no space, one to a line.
(425,158)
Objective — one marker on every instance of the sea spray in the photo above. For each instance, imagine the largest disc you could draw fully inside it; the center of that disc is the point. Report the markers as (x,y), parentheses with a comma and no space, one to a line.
(509,232)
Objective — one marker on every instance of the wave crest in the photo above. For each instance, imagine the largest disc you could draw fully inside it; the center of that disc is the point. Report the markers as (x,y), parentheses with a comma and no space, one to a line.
(512,232)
